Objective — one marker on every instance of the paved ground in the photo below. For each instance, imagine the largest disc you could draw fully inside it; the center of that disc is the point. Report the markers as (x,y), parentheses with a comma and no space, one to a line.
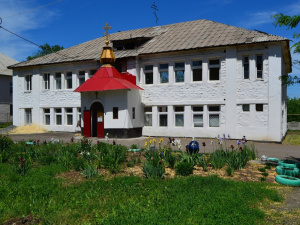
(273,150)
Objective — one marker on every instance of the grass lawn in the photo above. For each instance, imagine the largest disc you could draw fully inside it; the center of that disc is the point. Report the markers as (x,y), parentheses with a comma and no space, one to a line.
(292,137)
(129,200)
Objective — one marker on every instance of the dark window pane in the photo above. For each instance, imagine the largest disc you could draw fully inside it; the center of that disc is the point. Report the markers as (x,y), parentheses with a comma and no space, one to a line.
(179,109)
(259,74)
(246,108)
(179,76)
(179,120)
(259,107)
(214,73)
(149,78)
(115,113)
(246,71)
(197,63)
(148,109)
(163,120)
(198,108)
(149,67)
(214,62)
(197,74)
(164,77)
(163,66)
(214,108)
(179,65)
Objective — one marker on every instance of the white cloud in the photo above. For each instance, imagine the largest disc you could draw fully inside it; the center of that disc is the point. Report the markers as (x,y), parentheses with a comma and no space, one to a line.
(293,9)
(22,25)
(258,18)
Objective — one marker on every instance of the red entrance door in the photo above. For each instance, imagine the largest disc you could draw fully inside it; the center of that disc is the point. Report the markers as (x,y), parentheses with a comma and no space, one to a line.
(97,120)
(87,123)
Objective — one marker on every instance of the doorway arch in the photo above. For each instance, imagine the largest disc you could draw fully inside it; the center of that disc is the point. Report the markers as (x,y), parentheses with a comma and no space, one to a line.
(97,120)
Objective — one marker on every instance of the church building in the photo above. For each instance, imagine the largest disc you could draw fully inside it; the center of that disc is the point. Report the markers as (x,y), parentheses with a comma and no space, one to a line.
(192,79)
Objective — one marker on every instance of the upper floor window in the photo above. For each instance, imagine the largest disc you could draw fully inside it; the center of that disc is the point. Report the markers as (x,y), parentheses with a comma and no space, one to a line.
(198,116)
(214,69)
(197,70)
(92,72)
(179,116)
(58,80)
(149,74)
(81,77)
(246,107)
(148,116)
(259,66)
(246,67)
(259,107)
(164,73)
(214,116)
(179,72)
(28,82)
(69,80)
(46,80)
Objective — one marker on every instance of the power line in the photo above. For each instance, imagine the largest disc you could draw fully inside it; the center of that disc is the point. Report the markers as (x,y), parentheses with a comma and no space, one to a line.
(30,10)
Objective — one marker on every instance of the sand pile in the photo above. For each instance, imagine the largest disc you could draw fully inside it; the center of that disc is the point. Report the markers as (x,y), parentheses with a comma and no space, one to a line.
(28,129)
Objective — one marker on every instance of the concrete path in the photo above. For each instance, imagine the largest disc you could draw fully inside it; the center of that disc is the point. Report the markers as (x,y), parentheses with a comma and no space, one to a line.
(273,150)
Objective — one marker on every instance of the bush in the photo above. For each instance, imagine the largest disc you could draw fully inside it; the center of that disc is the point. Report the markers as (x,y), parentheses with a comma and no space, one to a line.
(90,171)
(184,168)
(5,148)
(132,162)
(170,158)
(218,159)
(78,164)
(153,167)
(261,169)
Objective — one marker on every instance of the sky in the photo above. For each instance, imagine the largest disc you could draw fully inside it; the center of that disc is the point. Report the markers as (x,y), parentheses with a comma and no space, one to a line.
(71,22)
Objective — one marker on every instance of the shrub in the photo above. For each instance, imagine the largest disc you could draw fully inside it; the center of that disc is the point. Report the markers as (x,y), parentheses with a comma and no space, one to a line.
(261,169)
(154,168)
(22,166)
(78,164)
(133,146)
(262,179)
(47,160)
(265,174)
(132,162)
(5,148)
(170,158)
(184,168)
(90,171)
(218,159)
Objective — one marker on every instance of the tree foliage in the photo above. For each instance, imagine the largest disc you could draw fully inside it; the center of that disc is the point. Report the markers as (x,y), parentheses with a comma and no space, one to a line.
(45,50)
(293,107)
(290,22)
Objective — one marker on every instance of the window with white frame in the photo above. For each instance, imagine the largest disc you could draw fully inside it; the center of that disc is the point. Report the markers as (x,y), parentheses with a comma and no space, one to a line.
(47,116)
(246,107)
(28,82)
(58,116)
(197,116)
(164,73)
(179,72)
(81,77)
(214,69)
(69,80)
(197,70)
(179,116)
(246,66)
(163,116)
(92,72)
(69,115)
(259,66)
(148,116)
(46,80)
(148,74)
(214,116)
(58,80)
(28,116)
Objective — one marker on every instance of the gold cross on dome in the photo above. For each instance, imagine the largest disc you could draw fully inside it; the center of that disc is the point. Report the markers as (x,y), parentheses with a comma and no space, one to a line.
(106,28)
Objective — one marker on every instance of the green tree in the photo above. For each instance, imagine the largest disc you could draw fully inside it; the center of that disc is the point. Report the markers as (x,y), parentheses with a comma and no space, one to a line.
(291,23)
(45,50)
(293,107)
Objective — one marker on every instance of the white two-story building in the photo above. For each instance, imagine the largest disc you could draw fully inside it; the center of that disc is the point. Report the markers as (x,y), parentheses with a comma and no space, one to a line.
(199,78)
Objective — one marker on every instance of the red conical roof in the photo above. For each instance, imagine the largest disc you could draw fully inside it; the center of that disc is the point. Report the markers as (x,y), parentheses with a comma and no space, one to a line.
(108,78)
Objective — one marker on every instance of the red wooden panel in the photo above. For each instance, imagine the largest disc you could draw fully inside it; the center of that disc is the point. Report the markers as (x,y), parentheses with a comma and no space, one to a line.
(100,127)
(87,123)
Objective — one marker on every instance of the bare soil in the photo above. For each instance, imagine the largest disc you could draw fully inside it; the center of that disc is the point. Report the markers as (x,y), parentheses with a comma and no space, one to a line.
(21,221)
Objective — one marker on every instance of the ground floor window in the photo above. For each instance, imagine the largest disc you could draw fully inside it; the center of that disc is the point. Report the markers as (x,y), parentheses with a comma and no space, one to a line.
(163,116)
(58,116)
(197,116)
(179,116)
(214,116)
(148,116)
(115,113)
(28,116)
(69,116)
(47,116)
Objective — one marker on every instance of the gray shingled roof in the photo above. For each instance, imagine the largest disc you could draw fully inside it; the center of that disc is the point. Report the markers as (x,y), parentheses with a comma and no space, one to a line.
(174,37)
(5,61)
